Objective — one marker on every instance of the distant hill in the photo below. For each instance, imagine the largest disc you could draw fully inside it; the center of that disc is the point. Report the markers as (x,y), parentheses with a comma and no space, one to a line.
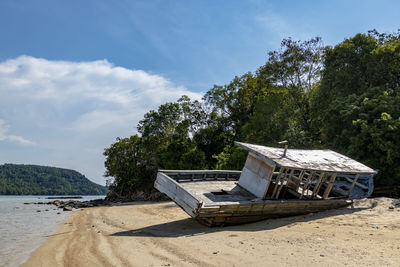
(18,179)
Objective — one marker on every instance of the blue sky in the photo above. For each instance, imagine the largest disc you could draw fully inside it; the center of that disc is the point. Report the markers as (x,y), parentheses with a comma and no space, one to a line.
(74,75)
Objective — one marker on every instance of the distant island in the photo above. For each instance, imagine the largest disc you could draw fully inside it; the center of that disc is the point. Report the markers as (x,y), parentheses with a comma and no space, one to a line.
(20,179)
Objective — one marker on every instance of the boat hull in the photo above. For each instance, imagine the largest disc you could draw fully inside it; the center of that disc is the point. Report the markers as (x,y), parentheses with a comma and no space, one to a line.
(231,214)
(194,192)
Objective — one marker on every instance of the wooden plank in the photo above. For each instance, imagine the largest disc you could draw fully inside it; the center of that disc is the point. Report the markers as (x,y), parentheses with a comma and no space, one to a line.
(274,204)
(245,218)
(280,184)
(164,179)
(259,161)
(317,184)
(260,155)
(283,172)
(276,181)
(192,211)
(256,176)
(185,172)
(307,184)
(353,184)
(252,163)
(285,179)
(177,193)
(253,183)
(269,183)
(321,180)
(201,175)
(294,182)
(281,209)
(330,185)
(241,207)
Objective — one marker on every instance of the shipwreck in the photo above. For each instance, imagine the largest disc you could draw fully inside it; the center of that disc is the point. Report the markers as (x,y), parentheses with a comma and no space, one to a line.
(274,182)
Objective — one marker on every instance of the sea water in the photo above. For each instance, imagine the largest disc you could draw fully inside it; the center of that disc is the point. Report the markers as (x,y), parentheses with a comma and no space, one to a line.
(24,227)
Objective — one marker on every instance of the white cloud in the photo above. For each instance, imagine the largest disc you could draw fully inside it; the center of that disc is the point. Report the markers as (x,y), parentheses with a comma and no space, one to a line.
(4,128)
(72,109)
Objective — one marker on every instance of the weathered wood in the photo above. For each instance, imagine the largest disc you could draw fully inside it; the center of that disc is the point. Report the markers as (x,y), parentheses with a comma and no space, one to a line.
(279,183)
(267,204)
(307,184)
(330,185)
(317,187)
(282,208)
(353,184)
(281,171)
(301,178)
(181,203)
(184,172)
(176,192)
(256,175)
(260,155)
(315,160)
(191,175)
(253,183)
(259,162)
(285,179)
(269,183)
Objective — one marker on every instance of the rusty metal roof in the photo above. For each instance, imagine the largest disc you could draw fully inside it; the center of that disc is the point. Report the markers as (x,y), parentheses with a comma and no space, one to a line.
(314,160)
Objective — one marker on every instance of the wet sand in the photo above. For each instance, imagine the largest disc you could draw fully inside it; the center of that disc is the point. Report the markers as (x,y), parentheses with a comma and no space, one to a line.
(161,234)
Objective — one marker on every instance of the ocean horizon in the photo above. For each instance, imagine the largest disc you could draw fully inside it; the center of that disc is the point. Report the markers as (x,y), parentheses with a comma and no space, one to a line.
(23,228)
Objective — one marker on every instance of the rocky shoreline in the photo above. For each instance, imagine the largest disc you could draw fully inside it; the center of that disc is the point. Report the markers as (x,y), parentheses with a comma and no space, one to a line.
(73,204)
(69,205)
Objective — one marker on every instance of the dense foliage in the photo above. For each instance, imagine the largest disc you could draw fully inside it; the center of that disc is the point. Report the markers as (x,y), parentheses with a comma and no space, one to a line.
(345,98)
(40,180)
(357,104)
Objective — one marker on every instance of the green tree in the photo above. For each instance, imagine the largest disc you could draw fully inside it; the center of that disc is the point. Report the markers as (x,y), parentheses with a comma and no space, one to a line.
(166,142)
(167,134)
(357,104)
(127,163)
(296,67)
(269,105)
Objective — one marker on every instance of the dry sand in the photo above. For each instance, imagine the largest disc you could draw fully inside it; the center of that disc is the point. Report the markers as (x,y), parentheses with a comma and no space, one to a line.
(161,234)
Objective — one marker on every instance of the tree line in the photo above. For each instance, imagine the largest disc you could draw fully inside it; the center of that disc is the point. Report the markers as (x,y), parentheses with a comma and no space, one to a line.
(19,179)
(345,98)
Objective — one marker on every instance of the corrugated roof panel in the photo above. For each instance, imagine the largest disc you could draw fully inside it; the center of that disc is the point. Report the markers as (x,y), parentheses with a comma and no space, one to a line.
(316,160)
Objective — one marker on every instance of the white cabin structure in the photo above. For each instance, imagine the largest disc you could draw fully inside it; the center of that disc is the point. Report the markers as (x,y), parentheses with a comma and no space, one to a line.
(304,173)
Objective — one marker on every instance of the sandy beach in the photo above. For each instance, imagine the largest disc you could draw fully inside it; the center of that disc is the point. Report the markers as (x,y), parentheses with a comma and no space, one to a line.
(161,234)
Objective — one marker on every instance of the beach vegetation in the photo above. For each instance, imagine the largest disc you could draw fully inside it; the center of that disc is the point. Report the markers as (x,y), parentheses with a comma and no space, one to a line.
(345,98)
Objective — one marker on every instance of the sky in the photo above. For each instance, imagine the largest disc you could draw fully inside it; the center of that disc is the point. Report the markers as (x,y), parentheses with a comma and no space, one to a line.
(77,74)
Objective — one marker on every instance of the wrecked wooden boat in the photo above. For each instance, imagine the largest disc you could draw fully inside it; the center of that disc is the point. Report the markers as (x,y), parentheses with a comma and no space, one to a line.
(274,182)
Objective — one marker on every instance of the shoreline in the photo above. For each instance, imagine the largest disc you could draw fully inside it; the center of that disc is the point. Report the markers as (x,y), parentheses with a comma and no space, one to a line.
(161,234)
(24,228)
(43,240)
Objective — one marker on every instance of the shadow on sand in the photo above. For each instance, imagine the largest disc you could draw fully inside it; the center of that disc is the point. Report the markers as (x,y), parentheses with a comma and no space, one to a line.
(190,227)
